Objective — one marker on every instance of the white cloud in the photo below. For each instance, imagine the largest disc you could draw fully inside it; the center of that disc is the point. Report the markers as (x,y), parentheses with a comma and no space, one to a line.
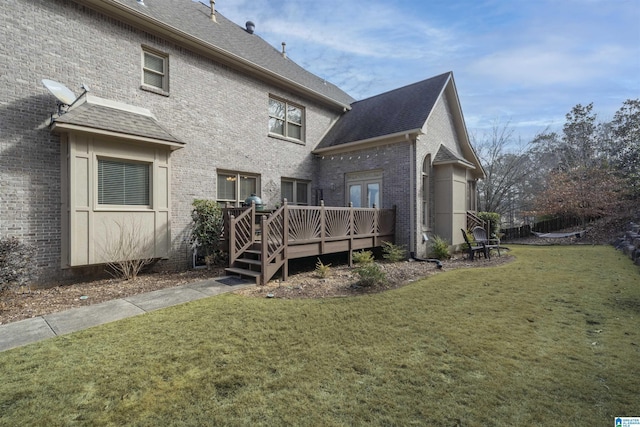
(536,65)
(361,28)
(528,62)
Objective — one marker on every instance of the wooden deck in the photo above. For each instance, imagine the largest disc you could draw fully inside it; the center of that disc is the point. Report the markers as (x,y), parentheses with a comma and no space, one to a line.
(261,244)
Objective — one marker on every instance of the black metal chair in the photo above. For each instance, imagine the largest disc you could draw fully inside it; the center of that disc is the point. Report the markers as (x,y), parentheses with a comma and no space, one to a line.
(473,248)
(480,235)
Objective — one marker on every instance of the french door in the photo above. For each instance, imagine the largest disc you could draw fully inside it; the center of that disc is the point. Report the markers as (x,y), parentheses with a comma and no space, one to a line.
(364,189)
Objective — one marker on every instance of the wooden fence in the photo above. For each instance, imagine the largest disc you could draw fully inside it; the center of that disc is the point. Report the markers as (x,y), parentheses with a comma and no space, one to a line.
(546,226)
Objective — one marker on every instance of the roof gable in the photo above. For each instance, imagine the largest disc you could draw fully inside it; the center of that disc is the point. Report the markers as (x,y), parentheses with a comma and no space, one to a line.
(401,110)
(446,156)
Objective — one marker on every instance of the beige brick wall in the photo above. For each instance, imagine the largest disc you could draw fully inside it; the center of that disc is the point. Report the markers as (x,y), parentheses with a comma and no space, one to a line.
(221,115)
(395,162)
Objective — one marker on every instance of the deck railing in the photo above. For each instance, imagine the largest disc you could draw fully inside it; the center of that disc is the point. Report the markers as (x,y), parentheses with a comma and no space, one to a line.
(474,220)
(293,226)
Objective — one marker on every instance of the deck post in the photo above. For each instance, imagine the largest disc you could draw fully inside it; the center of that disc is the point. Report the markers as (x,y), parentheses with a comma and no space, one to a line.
(376,234)
(285,240)
(323,226)
(351,229)
(264,249)
(232,240)
(253,220)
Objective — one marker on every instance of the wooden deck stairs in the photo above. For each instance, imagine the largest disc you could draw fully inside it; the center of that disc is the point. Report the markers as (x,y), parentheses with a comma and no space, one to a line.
(261,244)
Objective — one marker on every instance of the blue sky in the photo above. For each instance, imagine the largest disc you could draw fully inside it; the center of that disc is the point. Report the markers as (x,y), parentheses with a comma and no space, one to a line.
(527,62)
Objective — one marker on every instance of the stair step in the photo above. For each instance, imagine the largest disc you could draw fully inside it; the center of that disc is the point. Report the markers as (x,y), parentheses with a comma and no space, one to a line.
(253,251)
(249,261)
(243,272)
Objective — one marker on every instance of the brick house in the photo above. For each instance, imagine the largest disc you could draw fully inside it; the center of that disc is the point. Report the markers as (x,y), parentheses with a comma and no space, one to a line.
(184,104)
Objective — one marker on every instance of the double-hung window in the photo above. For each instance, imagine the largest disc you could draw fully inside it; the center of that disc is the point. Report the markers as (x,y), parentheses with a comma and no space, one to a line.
(286,119)
(234,187)
(123,183)
(155,70)
(295,191)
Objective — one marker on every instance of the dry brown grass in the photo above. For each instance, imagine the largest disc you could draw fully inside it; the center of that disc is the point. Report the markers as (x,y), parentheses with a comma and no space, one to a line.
(550,339)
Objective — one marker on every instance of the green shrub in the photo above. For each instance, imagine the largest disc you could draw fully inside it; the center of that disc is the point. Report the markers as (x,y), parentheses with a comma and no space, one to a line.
(470,238)
(440,248)
(393,253)
(494,218)
(363,257)
(218,257)
(371,275)
(322,270)
(207,227)
(16,263)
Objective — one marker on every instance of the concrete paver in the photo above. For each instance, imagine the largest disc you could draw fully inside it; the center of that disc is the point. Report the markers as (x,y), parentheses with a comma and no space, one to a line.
(28,331)
(164,298)
(77,319)
(24,332)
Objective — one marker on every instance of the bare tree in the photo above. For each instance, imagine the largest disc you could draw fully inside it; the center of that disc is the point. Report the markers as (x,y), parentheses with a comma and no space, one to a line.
(507,166)
(624,148)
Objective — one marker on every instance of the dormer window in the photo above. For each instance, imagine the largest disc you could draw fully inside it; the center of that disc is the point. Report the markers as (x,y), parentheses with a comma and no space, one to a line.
(286,119)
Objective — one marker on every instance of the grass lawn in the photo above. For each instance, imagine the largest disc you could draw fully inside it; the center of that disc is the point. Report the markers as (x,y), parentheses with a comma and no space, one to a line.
(551,339)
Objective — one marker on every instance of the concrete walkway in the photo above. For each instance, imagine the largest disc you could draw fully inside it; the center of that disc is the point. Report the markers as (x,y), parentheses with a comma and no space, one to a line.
(28,331)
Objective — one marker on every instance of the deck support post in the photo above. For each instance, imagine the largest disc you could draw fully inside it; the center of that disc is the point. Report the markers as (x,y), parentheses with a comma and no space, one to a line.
(323,226)
(351,231)
(264,246)
(285,241)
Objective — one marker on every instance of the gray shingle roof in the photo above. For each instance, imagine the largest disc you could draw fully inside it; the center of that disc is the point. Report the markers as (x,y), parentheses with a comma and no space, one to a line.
(399,110)
(445,155)
(94,115)
(193,18)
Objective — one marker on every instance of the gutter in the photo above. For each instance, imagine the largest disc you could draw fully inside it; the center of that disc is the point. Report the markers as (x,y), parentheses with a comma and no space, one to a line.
(152,25)
(370,142)
(57,127)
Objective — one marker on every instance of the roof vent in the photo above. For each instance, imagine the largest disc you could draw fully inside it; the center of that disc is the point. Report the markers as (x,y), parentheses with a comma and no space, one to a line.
(284,50)
(141,3)
(213,10)
(250,27)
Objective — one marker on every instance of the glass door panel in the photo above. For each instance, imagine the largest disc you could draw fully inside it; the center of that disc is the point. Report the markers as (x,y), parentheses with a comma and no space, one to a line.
(355,195)
(373,194)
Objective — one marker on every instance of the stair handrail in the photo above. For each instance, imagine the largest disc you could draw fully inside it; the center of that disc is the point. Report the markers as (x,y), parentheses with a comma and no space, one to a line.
(234,251)
(474,220)
(272,244)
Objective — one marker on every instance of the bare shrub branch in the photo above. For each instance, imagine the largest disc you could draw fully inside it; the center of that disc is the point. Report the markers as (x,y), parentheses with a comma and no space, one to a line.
(127,251)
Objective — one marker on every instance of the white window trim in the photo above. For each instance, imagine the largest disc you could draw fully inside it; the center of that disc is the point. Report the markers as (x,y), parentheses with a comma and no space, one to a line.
(303,126)
(164,90)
